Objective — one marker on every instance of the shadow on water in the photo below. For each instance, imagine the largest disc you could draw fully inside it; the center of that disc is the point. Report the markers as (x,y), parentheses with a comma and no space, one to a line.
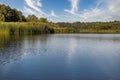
(12,48)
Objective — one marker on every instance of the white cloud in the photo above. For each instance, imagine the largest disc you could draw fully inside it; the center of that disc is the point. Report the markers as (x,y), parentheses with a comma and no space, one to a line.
(113,6)
(28,10)
(34,7)
(105,10)
(74,7)
(111,10)
(92,13)
(53,14)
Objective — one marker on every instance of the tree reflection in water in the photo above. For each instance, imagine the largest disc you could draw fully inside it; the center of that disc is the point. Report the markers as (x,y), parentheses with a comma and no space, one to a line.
(13,48)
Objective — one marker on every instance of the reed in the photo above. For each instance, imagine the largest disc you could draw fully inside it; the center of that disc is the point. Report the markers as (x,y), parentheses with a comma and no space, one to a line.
(14,28)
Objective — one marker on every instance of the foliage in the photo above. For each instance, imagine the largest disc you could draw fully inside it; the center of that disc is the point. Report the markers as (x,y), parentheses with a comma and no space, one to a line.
(31,18)
(20,28)
(43,20)
(8,14)
(91,27)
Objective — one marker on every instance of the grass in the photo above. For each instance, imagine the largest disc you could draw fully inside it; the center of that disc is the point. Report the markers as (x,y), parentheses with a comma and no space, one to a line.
(78,30)
(25,28)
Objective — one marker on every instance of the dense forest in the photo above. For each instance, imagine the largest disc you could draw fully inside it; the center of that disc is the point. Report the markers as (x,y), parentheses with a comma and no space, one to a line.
(12,21)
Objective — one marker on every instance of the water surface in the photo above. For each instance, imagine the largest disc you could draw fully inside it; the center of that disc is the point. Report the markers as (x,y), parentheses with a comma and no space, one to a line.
(60,57)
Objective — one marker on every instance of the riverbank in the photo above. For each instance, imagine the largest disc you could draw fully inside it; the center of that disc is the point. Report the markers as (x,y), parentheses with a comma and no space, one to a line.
(89,27)
(22,28)
(25,28)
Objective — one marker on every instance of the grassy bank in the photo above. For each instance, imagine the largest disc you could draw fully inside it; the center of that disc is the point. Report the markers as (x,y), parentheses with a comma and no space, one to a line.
(91,27)
(23,28)
(20,28)
(73,30)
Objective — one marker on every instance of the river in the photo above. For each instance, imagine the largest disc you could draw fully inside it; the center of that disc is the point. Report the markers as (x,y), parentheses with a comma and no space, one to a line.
(60,57)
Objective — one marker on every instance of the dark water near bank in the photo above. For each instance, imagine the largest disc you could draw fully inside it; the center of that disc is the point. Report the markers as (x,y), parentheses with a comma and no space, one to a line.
(60,57)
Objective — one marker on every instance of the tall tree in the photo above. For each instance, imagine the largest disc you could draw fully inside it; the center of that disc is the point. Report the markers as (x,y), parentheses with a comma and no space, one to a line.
(10,15)
(31,18)
(44,20)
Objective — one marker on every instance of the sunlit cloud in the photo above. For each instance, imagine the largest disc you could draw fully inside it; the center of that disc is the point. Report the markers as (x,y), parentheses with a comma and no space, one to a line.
(109,11)
(101,10)
(104,10)
(34,7)
(35,4)
(53,14)
(91,13)
(28,10)
(113,6)
(74,7)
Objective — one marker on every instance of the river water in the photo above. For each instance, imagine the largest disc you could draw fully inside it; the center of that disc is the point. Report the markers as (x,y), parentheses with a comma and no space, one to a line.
(60,57)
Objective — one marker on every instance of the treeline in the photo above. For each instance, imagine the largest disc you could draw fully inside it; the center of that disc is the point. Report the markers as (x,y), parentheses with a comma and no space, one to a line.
(89,27)
(8,14)
(13,22)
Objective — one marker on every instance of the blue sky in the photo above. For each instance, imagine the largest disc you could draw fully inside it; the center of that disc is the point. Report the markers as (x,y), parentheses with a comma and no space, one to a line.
(69,10)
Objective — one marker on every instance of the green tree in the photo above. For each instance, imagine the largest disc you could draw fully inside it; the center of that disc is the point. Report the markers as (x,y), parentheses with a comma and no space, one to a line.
(20,16)
(2,17)
(31,18)
(44,20)
(8,14)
